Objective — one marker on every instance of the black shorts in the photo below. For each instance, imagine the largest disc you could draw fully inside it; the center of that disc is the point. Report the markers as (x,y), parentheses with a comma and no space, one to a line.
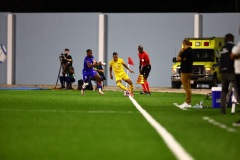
(145,71)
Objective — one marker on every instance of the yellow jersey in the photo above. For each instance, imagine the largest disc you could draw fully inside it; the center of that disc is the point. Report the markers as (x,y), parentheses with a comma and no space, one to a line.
(117,67)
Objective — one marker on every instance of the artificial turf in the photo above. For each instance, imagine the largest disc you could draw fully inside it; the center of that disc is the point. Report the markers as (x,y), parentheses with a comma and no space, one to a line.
(62,124)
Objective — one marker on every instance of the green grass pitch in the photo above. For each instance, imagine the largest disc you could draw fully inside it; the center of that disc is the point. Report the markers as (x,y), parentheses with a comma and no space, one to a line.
(62,124)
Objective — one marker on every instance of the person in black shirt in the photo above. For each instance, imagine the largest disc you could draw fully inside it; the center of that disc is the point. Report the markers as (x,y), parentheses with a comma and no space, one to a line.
(226,70)
(185,56)
(67,62)
(70,79)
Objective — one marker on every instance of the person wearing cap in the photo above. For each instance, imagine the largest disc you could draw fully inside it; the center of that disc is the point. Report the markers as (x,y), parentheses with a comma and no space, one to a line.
(144,69)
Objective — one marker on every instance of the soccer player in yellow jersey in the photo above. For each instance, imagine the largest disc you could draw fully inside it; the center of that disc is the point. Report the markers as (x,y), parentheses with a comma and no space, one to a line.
(116,64)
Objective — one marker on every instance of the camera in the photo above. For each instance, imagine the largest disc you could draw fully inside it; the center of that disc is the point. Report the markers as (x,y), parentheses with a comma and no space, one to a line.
(62,58)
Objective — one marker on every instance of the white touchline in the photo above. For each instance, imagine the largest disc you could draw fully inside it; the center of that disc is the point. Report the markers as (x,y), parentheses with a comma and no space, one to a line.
(173,145)
(220,125)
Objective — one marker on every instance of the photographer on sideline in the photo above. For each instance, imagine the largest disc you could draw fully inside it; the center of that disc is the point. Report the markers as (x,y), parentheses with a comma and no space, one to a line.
(66,62)
(70,79)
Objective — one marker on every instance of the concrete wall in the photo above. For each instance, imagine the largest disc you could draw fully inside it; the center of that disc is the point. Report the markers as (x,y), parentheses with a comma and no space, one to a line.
(221,24)
(160,34)
(41,37)
(3,40)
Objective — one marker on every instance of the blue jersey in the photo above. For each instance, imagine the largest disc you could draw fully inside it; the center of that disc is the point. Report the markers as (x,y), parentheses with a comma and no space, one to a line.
(88,72)
(87,60)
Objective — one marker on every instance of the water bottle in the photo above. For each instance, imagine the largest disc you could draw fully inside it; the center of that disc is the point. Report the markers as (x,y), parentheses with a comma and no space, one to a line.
(196,106)
(201,104)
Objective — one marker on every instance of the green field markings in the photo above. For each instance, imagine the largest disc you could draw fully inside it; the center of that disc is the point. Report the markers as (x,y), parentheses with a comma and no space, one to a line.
(39,124)
(218,124)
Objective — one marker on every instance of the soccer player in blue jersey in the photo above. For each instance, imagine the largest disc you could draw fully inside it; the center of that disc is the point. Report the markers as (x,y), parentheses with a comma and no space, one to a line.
(88,71)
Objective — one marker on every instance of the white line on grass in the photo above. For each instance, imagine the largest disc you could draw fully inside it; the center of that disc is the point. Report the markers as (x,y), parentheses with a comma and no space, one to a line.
(174,146)
(220,125)
(64,111)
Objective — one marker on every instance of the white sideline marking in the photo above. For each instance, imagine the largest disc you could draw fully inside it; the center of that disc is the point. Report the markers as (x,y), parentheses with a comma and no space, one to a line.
(174,146)
(220,125)
(65,111)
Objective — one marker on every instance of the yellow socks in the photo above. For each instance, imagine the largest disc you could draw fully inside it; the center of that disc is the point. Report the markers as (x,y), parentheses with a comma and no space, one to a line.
(121,86)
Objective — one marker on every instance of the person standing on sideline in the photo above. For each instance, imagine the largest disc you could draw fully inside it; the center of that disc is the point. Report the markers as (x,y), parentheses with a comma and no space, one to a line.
(89,71)
(66,62)
(144,69)
(185,56)
(116,64)
(236,56)
(226,70)
(69,80)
